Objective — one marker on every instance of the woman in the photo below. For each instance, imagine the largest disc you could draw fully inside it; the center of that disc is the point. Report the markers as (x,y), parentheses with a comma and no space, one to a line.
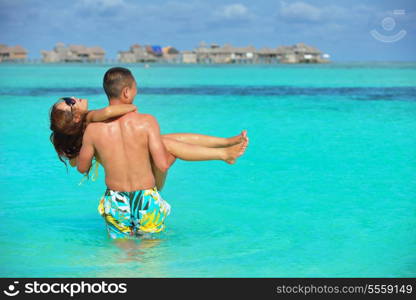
(70,116)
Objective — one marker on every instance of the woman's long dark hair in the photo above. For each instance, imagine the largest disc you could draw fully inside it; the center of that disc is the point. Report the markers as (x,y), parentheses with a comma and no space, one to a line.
(67,134)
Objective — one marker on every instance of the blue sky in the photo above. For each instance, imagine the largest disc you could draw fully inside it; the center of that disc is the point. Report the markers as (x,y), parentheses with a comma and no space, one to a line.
(340,28)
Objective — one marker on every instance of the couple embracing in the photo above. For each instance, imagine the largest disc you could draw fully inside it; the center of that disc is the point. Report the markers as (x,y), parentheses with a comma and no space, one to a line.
(135,156)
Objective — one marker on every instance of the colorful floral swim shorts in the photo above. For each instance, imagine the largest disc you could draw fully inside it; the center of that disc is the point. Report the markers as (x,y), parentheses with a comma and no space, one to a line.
(133,214)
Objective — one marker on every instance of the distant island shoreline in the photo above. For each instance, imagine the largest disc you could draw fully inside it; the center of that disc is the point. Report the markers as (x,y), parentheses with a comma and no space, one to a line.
(150,54)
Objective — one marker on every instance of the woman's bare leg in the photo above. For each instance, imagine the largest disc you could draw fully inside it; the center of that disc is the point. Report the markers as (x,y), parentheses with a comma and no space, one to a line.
(206,140)
(192,152)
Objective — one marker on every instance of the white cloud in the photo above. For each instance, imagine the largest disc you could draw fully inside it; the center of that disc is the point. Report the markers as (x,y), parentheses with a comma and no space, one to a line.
(300,11)
(103,3)
(233,11)
(329,22)
(99,11)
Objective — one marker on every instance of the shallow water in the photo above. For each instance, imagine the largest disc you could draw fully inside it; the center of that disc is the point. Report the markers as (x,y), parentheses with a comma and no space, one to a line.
(326,188)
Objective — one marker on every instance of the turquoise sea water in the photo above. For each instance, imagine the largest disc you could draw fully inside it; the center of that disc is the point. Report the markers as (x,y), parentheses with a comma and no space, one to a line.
(325,189)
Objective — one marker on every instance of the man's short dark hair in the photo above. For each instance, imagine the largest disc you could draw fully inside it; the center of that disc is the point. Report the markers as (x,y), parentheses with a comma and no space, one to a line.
(115,79)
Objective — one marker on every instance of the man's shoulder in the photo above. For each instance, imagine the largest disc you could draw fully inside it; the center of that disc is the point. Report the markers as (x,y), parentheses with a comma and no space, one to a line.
(138,117)
(91,127)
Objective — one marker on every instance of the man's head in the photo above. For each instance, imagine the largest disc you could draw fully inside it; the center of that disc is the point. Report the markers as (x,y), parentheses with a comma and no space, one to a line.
(119,84)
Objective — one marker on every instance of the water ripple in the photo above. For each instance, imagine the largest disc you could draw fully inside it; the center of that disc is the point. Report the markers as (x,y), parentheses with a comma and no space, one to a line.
(355,93)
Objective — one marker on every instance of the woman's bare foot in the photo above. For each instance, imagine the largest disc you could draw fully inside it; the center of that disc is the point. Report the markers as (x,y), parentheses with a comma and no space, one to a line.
(234,152)
(236,139)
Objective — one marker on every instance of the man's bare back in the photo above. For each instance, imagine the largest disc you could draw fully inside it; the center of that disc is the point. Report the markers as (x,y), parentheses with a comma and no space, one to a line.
(125,148)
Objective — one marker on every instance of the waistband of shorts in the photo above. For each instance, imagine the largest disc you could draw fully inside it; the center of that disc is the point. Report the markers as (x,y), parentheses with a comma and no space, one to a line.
(114,191)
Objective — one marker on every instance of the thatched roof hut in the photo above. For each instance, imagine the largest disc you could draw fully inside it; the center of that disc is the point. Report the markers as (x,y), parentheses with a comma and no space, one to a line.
(73,53)
(15,53)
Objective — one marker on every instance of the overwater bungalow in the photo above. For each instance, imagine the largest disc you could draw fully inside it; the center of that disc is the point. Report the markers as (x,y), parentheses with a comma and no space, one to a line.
(215,54)
(189,57)
(242,55)
(224,55)
(73,53)
(148,53)
(300,53)
(136,53)
(171,54)
(12,54)
(266,56)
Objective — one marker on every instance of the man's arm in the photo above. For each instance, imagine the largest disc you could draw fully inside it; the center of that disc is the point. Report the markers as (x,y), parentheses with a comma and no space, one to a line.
(86,153)
(160,177)
(162,159)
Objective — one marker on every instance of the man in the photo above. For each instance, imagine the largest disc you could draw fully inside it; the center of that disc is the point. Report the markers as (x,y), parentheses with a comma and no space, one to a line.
(126,147)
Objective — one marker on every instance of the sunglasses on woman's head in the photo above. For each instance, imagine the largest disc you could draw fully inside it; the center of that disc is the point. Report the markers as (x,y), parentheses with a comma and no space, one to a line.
(68,100)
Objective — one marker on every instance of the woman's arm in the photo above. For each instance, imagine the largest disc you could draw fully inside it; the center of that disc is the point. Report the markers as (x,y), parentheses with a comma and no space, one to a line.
(109,112)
